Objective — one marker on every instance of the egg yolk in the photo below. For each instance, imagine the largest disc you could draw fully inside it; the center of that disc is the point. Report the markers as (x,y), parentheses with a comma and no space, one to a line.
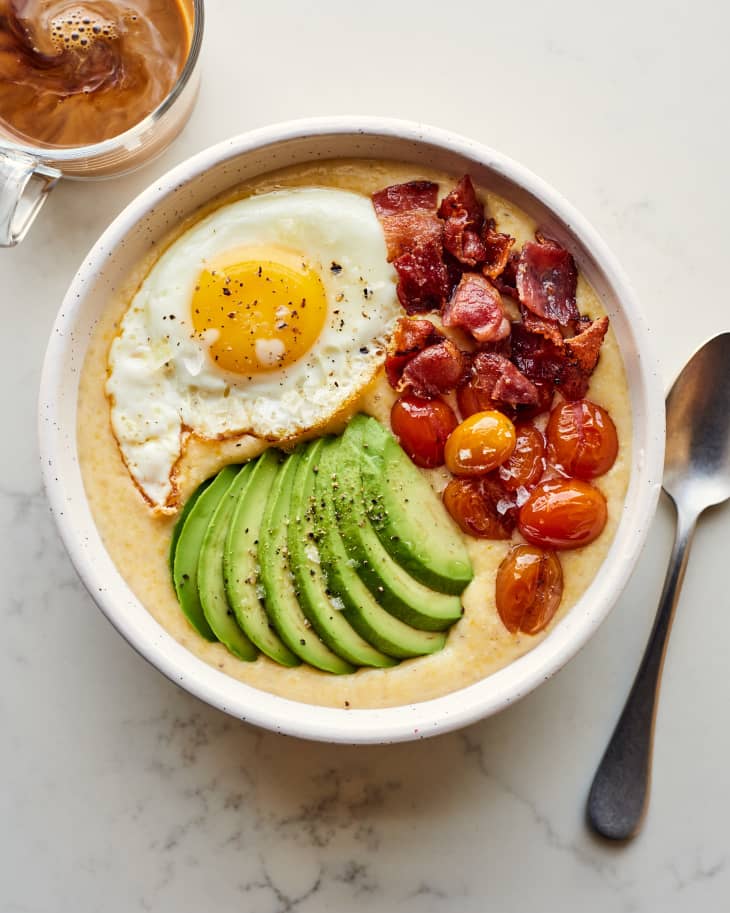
(256,315)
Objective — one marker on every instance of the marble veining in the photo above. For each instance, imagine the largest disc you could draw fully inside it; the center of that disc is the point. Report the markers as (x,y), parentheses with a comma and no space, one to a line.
(121,793)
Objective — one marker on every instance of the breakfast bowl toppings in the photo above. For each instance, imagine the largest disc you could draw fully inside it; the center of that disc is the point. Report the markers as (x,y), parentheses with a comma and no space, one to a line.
(362,423)
(371,504)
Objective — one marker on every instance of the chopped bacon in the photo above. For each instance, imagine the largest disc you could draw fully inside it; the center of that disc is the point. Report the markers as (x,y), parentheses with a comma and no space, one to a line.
(404,197)
(546,280)
(424,281)
(411,335)
(568,366)
(463,243)
(545,394)
(463,199)
(477,307)
(586,346)
(497,248)
(437,369)
(536,356)
(464,218)
(495,380)
(506,281)
(405,231)
(550,329)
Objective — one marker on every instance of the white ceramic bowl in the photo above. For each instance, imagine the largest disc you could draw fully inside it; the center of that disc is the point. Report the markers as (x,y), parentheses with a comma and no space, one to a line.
(179,193)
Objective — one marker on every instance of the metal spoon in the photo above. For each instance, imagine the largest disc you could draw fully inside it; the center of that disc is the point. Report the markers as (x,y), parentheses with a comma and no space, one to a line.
(696,476)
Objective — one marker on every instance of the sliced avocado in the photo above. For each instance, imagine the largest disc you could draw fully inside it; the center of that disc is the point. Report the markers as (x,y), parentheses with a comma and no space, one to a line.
(241,560)
(187,550)
(365,615)
(282,604)
(407,514)
(393,587)
(324,610)
(180,522)
(211,587)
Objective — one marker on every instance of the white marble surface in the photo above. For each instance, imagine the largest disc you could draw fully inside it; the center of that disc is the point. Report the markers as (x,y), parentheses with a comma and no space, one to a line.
(122,793)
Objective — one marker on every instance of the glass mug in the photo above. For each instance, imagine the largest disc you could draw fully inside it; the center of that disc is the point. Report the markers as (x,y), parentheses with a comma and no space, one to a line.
(28,173)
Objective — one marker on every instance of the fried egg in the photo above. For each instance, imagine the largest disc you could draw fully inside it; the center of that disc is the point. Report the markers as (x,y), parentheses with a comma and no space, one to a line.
(266,317)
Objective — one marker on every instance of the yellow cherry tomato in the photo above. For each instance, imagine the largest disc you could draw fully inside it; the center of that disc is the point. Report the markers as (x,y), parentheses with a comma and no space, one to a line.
(480,443)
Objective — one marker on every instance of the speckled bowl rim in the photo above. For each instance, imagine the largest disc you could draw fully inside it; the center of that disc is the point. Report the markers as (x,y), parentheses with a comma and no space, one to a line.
(64,486)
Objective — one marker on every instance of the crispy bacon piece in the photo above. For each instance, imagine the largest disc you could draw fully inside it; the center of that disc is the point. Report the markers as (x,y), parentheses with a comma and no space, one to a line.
(586,346)
(497,248)
(506,281)
(463,200)
(437,369)
(407,213)
(405,231)
(464,219)
(537,357)
(494,380)
(476,306)
(405,197)
(546,280)
(411,335)
(568,366)
(550,329)
(424,281)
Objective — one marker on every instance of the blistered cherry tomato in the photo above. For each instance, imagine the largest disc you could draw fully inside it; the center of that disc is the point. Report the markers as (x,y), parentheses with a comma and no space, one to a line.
(582,439)
(422,426)
(479,444)
(525,467)
(480,507)
(563,513)
(529,589)
(471,399)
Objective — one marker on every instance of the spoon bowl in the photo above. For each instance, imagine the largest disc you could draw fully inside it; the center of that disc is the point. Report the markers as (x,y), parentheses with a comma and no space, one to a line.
(697,457)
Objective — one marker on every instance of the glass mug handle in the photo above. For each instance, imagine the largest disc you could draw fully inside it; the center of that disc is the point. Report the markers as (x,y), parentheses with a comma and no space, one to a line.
(24,186)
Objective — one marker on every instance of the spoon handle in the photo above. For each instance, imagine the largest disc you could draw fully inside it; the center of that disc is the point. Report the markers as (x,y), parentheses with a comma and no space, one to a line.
(620,791)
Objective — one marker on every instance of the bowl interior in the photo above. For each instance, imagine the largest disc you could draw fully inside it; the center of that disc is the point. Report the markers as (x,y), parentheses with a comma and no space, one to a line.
(179,194)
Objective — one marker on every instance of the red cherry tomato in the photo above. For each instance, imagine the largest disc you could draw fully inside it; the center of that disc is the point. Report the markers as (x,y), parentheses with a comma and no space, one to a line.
(582,439)
(525,467)
(529,589)
(563,513)
(470,398)
(422,427)
(479,444)
(481,507)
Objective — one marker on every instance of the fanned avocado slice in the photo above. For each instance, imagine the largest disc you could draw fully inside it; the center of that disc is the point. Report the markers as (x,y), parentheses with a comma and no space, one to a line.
(211,587)
(407,514)
(322,608)
(363,612)
(180,522)
(241,561)
(282,604)
(393,587)
(187,550)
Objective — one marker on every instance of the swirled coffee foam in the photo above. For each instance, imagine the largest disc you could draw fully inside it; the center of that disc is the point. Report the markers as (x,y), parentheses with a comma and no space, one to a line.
(74,74)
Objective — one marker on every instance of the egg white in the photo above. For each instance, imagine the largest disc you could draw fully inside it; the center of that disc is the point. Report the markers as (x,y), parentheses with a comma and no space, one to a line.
(162,383)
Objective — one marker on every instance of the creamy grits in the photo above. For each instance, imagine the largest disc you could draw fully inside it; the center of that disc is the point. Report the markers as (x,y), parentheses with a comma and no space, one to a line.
(138,541)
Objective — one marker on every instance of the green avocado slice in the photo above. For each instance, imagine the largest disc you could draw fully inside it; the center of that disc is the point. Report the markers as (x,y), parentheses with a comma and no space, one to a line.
(180,522)
(407,514)
(323,611)
(211,586)
(363,612)
(241,560)
(187,550)
(282,604)
(398,592)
